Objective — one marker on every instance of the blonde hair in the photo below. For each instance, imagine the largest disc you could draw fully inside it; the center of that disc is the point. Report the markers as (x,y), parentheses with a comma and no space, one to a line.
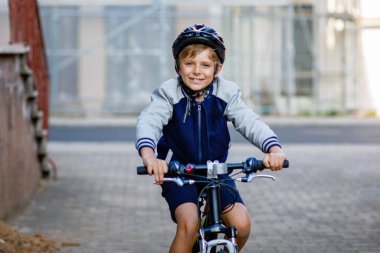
(192,50)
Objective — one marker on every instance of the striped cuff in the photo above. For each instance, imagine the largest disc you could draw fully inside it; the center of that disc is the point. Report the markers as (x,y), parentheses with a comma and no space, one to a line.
(268,143)
(145,142)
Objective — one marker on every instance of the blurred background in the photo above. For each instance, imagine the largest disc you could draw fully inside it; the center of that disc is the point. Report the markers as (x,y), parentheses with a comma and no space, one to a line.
(74,74)
(290,57)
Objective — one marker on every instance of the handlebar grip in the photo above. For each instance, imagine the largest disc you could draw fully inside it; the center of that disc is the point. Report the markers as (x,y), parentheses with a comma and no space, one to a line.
(142,170)
(284,165)
(259,165)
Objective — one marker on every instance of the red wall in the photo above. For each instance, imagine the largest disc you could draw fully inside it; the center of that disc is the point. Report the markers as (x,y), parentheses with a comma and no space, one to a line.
(25,28)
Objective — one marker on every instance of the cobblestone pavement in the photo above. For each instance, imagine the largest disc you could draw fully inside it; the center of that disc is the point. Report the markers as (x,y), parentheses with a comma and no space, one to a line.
(328,201)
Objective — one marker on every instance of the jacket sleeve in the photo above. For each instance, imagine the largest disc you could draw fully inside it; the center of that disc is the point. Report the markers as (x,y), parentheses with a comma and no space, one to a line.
(152,120)
(248,123)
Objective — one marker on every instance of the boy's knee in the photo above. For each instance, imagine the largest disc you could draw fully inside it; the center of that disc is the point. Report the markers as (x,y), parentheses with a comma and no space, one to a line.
(188,228)
(243,225)
(244,229)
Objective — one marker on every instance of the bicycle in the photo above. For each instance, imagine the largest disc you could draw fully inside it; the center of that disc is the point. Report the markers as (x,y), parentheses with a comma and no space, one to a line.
(211,226)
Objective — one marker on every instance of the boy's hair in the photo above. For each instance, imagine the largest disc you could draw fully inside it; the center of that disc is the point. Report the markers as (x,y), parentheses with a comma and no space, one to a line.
(192,50)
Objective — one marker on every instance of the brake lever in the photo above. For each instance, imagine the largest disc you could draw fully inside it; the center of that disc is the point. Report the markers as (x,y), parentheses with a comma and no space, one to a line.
(178,181)
(250,177)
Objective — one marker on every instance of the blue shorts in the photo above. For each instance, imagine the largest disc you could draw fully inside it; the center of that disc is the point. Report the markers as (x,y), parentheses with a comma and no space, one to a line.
(177,195)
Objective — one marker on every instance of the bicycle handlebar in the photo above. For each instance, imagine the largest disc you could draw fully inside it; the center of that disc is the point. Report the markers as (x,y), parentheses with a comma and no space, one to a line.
(251,165)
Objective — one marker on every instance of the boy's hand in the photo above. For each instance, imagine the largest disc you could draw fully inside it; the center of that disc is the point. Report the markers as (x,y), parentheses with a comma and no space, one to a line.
(274,159)
(155,166)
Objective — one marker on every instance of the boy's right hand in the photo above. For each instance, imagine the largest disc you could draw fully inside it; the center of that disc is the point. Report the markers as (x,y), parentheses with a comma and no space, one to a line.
(155,166)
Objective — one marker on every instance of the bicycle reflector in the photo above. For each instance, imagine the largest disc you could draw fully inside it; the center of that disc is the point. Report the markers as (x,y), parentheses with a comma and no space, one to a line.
(189,169)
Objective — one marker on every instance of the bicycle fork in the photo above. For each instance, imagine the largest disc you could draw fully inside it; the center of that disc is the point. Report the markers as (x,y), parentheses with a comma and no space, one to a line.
(215,226)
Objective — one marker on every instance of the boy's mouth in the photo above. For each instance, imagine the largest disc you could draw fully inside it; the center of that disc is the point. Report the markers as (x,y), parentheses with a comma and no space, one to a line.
(196,80)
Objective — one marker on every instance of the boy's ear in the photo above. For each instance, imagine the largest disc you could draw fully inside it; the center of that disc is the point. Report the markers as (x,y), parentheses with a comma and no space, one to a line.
(218,69)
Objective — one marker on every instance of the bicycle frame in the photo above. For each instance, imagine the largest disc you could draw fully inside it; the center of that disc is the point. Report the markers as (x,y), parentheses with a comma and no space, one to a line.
(215,226)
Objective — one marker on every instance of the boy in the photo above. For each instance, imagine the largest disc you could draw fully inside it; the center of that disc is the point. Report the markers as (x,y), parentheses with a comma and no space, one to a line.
(188,115)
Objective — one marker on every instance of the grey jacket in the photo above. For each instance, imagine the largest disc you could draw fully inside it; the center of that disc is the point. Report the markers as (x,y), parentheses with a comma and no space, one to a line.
(198,131)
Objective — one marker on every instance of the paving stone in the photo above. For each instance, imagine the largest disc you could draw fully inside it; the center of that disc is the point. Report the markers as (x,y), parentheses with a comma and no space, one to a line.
(327,201)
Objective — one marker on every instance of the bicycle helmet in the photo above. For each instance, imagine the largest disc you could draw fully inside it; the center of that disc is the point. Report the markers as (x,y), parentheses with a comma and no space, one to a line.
(200,33)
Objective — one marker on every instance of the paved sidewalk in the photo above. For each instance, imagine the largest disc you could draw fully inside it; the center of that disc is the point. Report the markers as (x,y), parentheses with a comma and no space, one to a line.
(328,201)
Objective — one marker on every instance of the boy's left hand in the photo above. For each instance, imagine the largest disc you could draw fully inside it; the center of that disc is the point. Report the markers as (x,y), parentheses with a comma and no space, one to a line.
(274,159)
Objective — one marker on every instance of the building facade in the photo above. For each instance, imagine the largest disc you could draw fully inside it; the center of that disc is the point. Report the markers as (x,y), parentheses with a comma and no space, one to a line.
(290,57)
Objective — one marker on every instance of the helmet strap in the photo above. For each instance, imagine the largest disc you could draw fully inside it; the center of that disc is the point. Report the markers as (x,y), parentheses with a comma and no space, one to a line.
(216,69)
(176,66)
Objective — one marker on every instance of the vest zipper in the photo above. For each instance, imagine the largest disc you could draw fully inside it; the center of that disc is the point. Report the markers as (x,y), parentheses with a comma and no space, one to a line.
(199,133)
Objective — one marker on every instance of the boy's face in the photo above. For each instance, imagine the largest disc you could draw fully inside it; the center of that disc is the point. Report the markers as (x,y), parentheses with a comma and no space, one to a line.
(198,72)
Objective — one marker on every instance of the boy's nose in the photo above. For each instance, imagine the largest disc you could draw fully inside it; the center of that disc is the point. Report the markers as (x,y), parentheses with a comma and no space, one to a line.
(197,69)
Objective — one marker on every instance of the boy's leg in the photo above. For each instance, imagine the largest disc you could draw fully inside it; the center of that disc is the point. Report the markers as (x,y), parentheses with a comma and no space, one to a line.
(238,216)
(187,227)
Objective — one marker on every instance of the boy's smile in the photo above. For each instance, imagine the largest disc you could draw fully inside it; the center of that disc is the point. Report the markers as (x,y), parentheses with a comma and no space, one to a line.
(198,72)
